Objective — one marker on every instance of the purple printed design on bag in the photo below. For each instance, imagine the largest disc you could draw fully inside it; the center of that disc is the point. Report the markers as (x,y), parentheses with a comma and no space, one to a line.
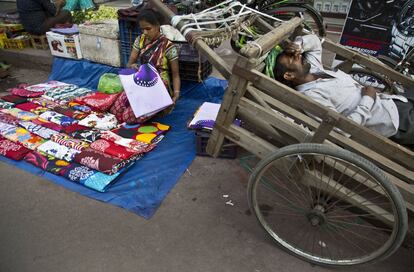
(145,77)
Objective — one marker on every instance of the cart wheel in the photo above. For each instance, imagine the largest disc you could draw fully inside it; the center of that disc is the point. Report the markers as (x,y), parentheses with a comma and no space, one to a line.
(327,205)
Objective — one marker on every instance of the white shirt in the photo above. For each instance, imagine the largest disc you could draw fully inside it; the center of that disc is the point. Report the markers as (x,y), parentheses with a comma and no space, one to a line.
(342,93)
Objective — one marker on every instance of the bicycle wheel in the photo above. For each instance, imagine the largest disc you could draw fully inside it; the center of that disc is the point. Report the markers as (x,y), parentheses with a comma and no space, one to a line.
(313,19)
(369,78)
(327,205)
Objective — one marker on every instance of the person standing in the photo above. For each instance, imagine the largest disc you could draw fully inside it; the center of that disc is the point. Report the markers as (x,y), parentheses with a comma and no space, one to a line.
(39,16)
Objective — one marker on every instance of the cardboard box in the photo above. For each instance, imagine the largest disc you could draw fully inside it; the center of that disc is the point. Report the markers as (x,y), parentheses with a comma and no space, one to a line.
(67,46)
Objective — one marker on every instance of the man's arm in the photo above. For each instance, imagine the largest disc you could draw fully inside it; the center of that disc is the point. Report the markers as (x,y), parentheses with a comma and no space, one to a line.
(49,7)
(311,46)
(360,114)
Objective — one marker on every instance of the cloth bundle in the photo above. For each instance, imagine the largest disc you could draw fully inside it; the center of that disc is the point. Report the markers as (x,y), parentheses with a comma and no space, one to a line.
(135,145)
(8,119)
(113,149)
(22,92)
(103,121)
(98,101)
(75,114)
(87,136)
(43,87)
(6,105)
(146,133)
(20,114)
(12,150)
(58,151)
(24,137)
(67,141)
(57,118)
(31,107)
(39,130)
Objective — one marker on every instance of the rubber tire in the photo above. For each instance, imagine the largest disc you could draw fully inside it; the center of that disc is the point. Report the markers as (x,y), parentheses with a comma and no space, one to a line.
(374,171)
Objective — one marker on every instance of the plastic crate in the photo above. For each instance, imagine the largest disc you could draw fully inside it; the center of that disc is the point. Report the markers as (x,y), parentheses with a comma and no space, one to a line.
(20,42)
(128,32)
(228,150)
(195,71)
(12,27)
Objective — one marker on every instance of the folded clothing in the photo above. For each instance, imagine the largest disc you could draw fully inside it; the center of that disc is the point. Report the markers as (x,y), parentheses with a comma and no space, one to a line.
(135,145)
(79,107)
(6,105)
(103,121)
(58,118)
(67,111)
(58,151)
(14,99)
(98,101)
(5,128)
(31,107)
(20,114)
(44,102)
(74,127)
(102,162)
(113,149)
(47,124)
(39,130)
(43,87)
(12,150)
(25,93)
(8,119)
(45,162)
(87,136)
(24,137)
(146,133)
(70,142)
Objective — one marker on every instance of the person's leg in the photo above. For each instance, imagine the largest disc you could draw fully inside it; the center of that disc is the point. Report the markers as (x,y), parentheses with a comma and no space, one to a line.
(63,17)
(405,134)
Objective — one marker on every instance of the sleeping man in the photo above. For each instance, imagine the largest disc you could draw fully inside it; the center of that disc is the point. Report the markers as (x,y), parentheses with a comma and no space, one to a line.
(300,66)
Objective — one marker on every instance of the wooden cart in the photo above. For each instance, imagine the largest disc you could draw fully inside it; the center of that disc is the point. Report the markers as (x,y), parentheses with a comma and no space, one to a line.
(326,189)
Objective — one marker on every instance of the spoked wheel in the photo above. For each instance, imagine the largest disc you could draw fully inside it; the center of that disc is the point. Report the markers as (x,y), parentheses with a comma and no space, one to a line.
(369,78)
(313,21)
(327,206)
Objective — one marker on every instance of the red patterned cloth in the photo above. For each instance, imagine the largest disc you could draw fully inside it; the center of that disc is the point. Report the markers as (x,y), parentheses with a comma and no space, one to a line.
(14,99)
(75,127)
(98,101)
(113,149)
(8,119)
(98,160)
(123,111)
(70,112)
(32,107)
(25,93)
(12,150)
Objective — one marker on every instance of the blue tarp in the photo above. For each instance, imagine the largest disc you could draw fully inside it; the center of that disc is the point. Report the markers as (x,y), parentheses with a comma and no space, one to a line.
(144,186)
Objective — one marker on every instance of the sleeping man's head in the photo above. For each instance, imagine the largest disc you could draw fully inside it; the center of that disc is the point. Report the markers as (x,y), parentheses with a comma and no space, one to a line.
(291,69)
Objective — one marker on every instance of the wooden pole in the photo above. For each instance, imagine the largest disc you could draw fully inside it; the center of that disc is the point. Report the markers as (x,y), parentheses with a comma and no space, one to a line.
(199,44)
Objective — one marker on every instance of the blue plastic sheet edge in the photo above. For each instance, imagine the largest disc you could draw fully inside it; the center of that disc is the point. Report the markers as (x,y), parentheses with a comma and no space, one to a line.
(145,185)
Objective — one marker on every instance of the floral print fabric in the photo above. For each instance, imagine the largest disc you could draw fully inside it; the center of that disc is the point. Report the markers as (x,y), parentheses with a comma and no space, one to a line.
(57,150)
(103,121)
(146,133)
(11,150)
(45,162)
(67,141)
(70,112)
(22,92)
(47,124)
(57,118)
(98,101)
(6,105)
(43,132)
(60,92)
(79,107)
(44,102)
(43,87)
(6,128)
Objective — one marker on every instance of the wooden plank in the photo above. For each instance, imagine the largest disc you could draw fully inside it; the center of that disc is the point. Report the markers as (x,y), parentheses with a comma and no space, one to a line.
(227,113)
(266,42)
(218,63)
(248,141)
(368,61)
(323,130)
(360,134)
(385,163)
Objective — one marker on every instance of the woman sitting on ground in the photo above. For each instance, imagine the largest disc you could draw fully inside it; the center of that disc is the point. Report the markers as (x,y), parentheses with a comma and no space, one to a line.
(151,47)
